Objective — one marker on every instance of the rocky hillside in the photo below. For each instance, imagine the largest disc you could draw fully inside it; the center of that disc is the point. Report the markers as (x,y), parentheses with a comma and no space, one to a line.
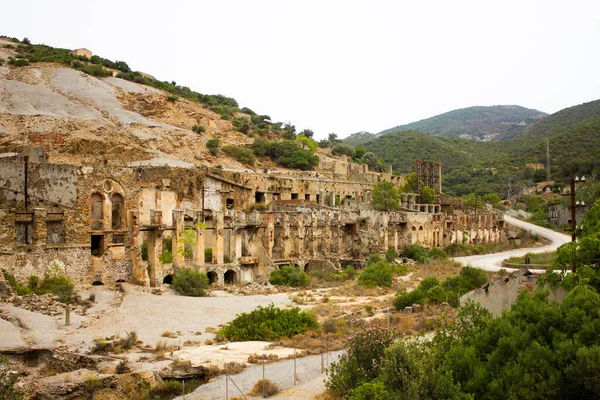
(80,118)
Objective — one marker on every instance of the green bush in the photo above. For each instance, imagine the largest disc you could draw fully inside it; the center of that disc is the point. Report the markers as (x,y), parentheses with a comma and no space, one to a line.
(416,252)
(199,128)
(243,155)
(190,282)
(208,255)
(56,282)
(289,276)
(370,391)
(166,390)
(268,323)
(390,255)
(213,146)
(437,253)
(342,149)
(378,274)
(363,361)
(166,256)
(19,62)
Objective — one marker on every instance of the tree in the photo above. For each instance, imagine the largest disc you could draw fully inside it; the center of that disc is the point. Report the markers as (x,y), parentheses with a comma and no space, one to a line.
(359,152)
(385,196)
(307,143)
(428,195)
(411,184)
(308,133)
(371,160)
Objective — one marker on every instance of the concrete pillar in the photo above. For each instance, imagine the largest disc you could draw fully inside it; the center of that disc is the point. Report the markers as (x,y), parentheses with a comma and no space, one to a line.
(286,246)
(327,235)
(321,197)
(39,226)
(331,199)
(384,223)
(135,251)
(396,238)
(154,247)
(313,234)
(219,242)
(177,245)
(200,238)
(237,238)
(300,239)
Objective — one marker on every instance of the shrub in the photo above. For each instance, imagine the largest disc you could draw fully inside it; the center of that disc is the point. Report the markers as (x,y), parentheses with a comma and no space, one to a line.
(343,149)
(370,391)
(264,388)
(438,253)
(363,361)
(378,274)
(166,256)
(243,155)
(416,252)
(213,146)
(21,62)
(390,255)
(208,256)
(199,128)
(268,323)
(289,276)
(166,390)
(56,282)
(190,282)
(8,381)
(172,97)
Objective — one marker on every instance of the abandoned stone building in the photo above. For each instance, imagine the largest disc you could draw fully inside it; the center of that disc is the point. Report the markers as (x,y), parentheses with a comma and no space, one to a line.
(105,224)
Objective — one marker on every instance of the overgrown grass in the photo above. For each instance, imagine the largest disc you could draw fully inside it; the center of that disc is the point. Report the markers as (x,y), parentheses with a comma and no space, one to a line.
(545,258)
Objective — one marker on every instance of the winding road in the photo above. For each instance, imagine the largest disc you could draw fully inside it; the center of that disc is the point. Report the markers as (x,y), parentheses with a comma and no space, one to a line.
(493,262)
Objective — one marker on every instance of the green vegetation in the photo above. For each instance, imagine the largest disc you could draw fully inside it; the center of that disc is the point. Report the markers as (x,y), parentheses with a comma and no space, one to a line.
(507,121)
(213,146)
(190,282)
(286,153)
(431,291)
(242,154)
(55,282)
(385,196)
(268,323)
(289,276)
(546,258)
(8,380)
(377,274)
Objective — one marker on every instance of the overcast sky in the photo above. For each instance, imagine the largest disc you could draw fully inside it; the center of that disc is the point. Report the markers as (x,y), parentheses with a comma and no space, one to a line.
(340,66)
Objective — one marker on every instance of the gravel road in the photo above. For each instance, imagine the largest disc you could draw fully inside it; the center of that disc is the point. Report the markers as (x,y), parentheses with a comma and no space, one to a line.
(492,262)
(310,380)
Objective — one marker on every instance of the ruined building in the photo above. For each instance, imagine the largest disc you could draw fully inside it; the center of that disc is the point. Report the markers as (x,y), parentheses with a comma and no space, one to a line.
(105,224)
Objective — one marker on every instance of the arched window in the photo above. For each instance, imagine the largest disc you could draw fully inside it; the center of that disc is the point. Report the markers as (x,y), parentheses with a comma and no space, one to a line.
(96,211)
(118,207)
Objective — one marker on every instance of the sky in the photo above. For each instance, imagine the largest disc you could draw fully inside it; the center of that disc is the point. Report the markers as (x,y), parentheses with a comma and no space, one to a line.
(340,66)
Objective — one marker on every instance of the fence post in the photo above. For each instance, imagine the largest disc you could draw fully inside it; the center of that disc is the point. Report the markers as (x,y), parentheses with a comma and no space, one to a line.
(263,380)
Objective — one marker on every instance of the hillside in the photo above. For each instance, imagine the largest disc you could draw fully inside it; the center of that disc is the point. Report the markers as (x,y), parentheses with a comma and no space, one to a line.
(476,123)
(92,111)
(401,149)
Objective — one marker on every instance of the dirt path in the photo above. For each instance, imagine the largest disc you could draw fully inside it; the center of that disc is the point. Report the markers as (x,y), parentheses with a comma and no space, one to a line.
(310,380)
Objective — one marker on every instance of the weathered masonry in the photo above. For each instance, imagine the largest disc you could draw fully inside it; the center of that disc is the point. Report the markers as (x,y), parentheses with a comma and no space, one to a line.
(141,223)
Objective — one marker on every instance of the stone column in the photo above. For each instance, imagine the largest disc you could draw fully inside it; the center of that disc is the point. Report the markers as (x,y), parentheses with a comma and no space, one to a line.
(286,246)
(340,236)
(386,240)
(300,239)
(321,197)
(219,242)
(177,245)
(135,253)
(199,245)
(39,226)
(313,234)
(154,245)
(327,235)
(237,238)
(331,199)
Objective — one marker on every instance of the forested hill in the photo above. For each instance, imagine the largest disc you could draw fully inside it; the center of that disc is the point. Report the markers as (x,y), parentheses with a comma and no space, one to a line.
(477,123)
(564,120)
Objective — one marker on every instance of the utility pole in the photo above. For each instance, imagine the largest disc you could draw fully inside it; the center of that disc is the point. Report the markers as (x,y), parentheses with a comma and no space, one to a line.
(573,222)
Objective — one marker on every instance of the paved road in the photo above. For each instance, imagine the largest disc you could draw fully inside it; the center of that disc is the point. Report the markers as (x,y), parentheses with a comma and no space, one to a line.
(492,262)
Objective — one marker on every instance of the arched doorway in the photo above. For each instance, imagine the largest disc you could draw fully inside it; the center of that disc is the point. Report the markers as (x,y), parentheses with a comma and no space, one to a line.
(230,277)
(212,277)
(168,280)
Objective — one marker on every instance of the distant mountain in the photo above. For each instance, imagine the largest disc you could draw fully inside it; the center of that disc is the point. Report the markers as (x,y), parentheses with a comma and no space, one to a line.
(564,120)
(358,138)
(477,123)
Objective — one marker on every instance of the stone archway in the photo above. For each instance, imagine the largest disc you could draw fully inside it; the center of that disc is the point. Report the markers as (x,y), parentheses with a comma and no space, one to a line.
(212,277)
(168,280)
(97,283)
(229,277)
